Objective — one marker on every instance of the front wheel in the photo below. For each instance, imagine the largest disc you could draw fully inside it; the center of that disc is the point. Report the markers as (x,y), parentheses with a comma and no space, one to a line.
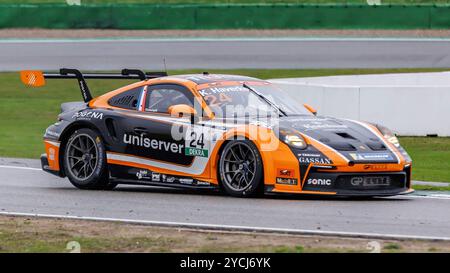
(240,169)
(85,161)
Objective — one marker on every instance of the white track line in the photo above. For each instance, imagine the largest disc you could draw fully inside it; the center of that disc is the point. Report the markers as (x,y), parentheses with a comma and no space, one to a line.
(225,39)
(431,196)
(233,228)
(20,168)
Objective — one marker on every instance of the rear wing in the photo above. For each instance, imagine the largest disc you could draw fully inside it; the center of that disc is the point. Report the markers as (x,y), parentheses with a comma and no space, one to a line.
(37,78)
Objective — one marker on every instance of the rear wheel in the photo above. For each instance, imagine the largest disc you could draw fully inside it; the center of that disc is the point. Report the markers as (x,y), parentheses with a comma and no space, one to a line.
(85,161)
(240,169)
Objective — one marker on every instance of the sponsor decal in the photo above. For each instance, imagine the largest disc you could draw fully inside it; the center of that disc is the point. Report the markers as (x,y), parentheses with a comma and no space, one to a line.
(170,179)
(202,183)
(195,144)
(286,173)
(316,125)
(313,158)
(305,119)
(156,177)
(51,154)
(262,124)
(218,90)
(187,181)
(369,181)
(319,182)
(88,115)
(377,167)
(154,144)
(371,156)
(189,151)
(357,181)
(287,181)
(52,133)
(143,174)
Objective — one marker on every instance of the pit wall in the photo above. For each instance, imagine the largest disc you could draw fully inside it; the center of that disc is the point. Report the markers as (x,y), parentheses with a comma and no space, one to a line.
(407,110)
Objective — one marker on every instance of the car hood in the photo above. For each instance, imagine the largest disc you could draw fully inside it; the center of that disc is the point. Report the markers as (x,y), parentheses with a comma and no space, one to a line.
(356,141)
(353,141)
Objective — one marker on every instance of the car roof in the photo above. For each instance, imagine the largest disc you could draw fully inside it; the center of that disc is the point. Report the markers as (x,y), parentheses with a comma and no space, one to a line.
(206,78)
(203,80)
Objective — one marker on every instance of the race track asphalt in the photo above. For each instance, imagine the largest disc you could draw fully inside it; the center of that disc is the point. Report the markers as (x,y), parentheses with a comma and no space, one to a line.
(226,53)
(26,189)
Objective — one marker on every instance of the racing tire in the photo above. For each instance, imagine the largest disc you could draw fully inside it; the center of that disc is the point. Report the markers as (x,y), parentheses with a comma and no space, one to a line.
(241,169)
(85,161)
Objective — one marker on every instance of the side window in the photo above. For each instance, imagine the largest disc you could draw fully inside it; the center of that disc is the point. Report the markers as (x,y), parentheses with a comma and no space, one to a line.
(127,99)
(161,97)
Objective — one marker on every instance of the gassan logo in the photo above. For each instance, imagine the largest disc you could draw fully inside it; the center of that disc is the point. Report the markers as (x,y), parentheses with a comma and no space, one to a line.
(318,160)
(319,182)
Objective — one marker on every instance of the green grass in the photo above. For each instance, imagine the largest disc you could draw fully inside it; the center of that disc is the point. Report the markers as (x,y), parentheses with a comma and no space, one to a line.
(430,188)
(431,157)
(392,247)
(290,249)
(235,1)
(26,112)
(33,234)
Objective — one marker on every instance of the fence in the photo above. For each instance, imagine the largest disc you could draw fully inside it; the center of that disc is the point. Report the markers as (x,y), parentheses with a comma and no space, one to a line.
(225,16)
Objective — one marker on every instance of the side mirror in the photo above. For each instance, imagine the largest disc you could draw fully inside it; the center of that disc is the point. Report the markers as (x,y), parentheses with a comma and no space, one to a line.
(310,109)
(182,110)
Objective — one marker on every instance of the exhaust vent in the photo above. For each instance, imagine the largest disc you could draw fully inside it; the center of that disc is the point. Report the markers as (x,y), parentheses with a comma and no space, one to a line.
(341,146)
(345,135)
(376,146)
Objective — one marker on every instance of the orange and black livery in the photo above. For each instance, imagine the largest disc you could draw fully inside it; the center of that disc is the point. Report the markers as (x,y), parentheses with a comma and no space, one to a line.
(238,134)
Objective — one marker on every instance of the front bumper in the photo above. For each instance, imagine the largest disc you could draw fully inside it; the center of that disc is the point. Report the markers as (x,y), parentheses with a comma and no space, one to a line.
(46,167)
(363,184)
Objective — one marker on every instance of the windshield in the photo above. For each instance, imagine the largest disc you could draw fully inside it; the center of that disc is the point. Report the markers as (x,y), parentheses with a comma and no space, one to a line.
(238,100)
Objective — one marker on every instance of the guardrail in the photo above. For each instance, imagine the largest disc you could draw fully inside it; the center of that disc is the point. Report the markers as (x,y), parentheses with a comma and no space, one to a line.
(225,16)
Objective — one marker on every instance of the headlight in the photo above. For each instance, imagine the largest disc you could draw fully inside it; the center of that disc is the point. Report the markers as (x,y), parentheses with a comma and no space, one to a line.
(388,135)
(295,141)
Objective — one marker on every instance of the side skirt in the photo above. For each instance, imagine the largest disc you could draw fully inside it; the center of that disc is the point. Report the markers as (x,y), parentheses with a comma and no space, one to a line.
(161,184)
(144,177)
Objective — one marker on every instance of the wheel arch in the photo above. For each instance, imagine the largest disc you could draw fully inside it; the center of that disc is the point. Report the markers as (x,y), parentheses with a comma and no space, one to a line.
(276,154)
(68,131)
(222,147)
